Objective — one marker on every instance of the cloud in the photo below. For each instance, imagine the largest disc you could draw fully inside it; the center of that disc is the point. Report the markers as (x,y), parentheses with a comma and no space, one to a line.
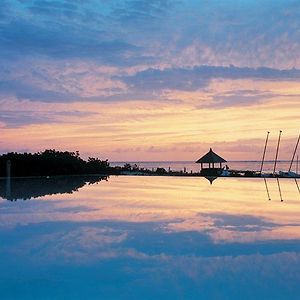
(177,52)
(238,98)
(65,42)
(53,7)
(143,12)
(159,33)
(16,119)
(241,223)
(23,90)
(148,238)
(192,79)
(28,91)
(166,32)
(42,84)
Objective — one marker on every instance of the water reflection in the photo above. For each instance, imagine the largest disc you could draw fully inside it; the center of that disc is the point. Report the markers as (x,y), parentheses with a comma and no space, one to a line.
(152,238)
(26,188)
(278,188)
(297,185)
(211,179)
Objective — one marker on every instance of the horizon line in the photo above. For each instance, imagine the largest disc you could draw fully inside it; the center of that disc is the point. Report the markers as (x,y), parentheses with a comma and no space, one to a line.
(189,161)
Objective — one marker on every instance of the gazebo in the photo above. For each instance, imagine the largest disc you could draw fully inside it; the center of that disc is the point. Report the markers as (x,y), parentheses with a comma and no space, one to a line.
(211,158)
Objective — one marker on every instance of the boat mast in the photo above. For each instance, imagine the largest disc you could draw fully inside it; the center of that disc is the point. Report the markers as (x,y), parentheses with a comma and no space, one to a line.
(263,158)
(294,154)
(277,150)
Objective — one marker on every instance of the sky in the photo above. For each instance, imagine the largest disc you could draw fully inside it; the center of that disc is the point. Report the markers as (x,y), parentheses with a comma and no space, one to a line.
(140,80)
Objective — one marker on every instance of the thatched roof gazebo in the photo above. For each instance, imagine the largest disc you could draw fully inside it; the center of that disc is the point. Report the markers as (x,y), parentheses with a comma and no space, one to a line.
(211,158)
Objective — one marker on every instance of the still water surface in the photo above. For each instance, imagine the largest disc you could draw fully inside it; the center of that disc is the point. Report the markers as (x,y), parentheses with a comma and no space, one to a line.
(149,238)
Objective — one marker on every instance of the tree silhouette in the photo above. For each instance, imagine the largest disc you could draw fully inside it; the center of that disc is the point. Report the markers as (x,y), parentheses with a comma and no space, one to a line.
(51,162)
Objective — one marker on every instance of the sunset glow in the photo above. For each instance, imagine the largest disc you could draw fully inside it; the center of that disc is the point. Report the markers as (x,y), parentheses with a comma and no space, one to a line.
(150,80)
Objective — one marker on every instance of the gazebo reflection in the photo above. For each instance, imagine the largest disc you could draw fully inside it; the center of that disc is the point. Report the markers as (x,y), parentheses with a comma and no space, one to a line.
(211,179)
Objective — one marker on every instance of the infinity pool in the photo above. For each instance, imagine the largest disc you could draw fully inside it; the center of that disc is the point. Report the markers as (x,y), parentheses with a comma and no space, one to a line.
(149,238)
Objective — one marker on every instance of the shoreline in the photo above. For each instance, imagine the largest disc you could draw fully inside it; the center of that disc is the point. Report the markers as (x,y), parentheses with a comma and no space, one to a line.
(155,174)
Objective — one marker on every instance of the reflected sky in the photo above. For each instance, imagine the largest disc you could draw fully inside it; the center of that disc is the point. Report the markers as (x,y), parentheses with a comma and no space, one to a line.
(154,237)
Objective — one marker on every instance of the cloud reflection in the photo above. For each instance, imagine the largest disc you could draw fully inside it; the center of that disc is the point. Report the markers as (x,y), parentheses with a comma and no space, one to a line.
(179,235)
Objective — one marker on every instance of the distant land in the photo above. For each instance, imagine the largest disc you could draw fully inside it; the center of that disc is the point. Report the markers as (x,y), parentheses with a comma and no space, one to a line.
(51,162)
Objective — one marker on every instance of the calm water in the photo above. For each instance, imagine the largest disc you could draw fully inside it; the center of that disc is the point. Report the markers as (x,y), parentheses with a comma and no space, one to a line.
(149,238)
(192,166)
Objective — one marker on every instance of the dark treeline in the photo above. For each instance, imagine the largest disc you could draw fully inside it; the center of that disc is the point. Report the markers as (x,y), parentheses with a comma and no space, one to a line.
(134,169)
(54,163)
(51,163)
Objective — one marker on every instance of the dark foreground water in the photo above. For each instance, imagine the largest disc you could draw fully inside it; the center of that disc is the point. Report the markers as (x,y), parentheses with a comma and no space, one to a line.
(149,238)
